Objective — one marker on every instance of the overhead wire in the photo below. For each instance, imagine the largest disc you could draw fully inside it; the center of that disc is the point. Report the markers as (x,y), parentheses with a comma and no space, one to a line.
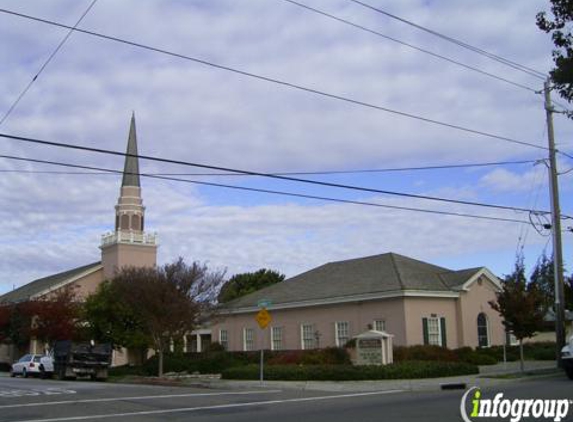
(267,175)
(412,46)
(279,82)
(309,173)
(497,58)
(276,192)
(45,64)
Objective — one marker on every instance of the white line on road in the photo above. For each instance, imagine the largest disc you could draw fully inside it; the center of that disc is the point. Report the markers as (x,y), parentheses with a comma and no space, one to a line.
(212,407)
(163,396)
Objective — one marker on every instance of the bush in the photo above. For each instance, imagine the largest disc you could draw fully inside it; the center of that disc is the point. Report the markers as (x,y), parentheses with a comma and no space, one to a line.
(5,367)
(539,351)
(214,361)
(405,370)
(126,370)
(424,353)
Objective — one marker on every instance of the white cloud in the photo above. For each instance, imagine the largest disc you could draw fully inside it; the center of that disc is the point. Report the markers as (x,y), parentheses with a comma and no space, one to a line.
(196,113)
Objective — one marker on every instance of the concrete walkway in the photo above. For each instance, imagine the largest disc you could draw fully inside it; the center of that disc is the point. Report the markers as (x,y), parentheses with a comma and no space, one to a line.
(484,379)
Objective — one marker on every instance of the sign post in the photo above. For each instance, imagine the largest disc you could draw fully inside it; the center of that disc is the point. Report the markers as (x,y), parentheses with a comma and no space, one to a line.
(263,319)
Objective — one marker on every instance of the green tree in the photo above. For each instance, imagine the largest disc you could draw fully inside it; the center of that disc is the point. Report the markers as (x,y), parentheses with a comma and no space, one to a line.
(155,305)
(109,319)
(543,276)
(521,305)
(245,283)
(559,26)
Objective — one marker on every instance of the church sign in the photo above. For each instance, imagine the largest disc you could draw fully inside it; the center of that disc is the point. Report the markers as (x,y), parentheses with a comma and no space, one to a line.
(374,348)
(369,351)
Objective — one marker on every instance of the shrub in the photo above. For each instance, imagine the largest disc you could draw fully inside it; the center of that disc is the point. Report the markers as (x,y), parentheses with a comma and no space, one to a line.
(478,358)
(424,353)
(126,370)
(5,367)
(405,370)
(540,351)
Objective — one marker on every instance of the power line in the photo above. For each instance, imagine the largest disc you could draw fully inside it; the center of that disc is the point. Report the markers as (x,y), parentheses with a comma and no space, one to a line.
(412,46)
(272,176)
(305,173)
(275,192)
(499,59)
(280,82)
(48,60)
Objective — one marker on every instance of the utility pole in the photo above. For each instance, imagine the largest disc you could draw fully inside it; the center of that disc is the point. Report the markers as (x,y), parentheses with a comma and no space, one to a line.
(556,227)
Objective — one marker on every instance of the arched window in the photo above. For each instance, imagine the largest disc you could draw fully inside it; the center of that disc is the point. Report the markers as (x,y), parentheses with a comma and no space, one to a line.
(135,222)
(124,222)
(483,330)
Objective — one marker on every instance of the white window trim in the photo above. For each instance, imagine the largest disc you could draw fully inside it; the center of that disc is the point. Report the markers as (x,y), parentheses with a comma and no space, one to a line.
(336,333)
(302,336)
(221,337)
(245,349)
(273,337)
(487,325)
(383,320)
(438,319)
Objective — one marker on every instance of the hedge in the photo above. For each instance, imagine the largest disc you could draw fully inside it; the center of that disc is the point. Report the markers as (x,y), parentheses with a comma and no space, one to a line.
(404,370)
(214,362)
(480,356)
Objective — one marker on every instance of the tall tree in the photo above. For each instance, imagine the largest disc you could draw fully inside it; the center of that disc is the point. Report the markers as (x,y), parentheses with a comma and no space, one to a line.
(521,305)
(110,319)
(543,276)
(245,283)
(47,319)
(160,304)
(560,29)
(56,316)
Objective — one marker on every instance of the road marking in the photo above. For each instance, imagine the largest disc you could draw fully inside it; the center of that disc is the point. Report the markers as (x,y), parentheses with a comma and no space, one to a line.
(213,407)
(164,396)
(35,392)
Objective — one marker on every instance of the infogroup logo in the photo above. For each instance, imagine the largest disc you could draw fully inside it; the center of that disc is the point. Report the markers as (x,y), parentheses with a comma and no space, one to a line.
(512,409)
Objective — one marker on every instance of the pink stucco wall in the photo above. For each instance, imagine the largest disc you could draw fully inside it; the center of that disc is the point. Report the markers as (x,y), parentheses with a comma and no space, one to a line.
(418,308)
(403,317)
(119,255)
(472,303)
(358,314)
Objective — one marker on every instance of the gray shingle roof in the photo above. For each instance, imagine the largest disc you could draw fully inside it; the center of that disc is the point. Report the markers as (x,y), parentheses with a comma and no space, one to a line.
(41,285)
(388,272)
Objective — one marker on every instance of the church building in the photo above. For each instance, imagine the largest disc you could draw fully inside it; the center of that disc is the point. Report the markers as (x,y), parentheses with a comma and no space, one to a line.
(128,245)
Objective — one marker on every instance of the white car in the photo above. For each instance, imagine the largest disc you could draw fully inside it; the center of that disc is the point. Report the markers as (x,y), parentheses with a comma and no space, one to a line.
(36,365)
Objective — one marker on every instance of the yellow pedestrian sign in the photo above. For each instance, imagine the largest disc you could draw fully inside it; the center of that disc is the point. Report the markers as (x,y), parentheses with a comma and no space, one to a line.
(263,318)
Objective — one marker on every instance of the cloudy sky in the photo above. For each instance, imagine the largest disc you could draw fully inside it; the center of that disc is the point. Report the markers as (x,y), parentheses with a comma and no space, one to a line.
(52,221)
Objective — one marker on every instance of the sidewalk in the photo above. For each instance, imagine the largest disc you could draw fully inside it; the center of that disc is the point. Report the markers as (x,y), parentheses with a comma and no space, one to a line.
(484,379)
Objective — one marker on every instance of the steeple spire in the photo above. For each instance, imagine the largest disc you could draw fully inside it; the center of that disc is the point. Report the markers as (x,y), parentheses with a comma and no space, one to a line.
(129,244)
(131,168)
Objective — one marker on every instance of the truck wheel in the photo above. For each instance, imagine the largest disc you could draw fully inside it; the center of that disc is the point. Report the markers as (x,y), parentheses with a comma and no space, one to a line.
(569,371)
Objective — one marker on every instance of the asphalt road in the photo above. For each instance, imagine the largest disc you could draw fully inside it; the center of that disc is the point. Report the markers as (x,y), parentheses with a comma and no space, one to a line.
(48,400)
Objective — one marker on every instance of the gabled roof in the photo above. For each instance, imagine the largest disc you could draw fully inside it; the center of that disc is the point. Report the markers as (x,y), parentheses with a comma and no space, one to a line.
(378,274)
(456,279)
(44,285)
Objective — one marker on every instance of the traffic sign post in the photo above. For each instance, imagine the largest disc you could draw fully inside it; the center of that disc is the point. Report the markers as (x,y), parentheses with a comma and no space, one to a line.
(263,319)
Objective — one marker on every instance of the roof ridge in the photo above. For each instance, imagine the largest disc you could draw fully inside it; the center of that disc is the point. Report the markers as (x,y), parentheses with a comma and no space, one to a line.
(393,261)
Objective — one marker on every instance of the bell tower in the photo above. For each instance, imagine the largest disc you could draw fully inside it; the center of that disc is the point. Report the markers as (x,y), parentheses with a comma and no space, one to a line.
(129,244)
